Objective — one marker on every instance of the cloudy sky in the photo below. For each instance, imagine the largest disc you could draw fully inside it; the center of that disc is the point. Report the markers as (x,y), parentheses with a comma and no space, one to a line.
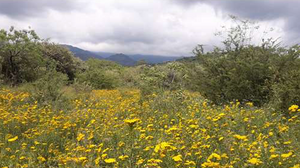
(161,27)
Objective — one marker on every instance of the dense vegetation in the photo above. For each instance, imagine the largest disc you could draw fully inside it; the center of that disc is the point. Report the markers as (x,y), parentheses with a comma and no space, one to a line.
(116,128)
(235,106)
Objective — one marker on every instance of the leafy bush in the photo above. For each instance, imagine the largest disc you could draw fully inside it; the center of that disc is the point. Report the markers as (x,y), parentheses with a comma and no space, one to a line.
(286,86)
(100,74)
(151,79)
(244,76)
(96,79)
(49,87)
(249,72)
(155,78)
(81,87)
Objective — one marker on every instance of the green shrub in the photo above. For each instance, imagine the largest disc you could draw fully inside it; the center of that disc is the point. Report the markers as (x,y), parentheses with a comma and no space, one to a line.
(262,74)
(100,74)
(244,76)
(48,88)
(81,87)
(242,70)
(96,79)
(151,80)
(286,87)
(168,76)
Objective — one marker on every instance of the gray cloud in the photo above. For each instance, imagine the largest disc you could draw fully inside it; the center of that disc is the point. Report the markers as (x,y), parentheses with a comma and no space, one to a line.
(19,9)
(188,2)
(266,10)
(167,27)
(259,9)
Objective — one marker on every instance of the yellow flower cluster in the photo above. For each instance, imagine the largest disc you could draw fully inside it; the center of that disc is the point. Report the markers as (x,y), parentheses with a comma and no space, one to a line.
(119,128)
(294,108)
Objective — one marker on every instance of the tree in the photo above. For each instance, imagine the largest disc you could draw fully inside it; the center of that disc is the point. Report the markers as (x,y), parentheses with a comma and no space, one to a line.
(63,60)
(20,55)
(239,71)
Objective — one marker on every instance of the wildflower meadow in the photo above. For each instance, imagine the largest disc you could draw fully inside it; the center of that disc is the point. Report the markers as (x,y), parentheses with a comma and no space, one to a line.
(117,128)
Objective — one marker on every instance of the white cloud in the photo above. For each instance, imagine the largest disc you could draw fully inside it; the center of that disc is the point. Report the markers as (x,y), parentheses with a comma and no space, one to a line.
(160,27)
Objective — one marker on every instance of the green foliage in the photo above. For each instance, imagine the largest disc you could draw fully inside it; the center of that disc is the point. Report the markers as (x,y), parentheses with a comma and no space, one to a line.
(103,64)
(24,57)
(96,79)
(20,55)
(49,87)
(228,77)
(100,74)
(150,80)
(130,76)
(169,76)
(65,62)
(286,87)
(247,72)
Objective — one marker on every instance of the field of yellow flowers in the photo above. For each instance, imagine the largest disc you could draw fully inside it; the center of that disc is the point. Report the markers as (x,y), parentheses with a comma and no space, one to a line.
(119,128)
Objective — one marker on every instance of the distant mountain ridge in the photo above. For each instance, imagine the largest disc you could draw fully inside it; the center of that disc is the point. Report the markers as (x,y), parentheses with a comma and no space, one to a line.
(126,60)
(82,54)
(122,59)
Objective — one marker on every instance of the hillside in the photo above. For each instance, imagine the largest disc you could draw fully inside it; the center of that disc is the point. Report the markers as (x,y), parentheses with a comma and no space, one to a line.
(154,59)
(122,59)
(132,58)
(82,54)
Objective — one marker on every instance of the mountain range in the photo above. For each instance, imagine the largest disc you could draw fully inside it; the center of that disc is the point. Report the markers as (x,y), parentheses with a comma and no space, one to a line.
(122,59)
(126,60)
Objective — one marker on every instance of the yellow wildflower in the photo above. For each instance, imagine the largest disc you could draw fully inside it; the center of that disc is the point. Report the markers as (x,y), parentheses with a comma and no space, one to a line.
(97,161)
(210,164)
(190,163)
(250,104)
(193,126)
(103,155)
(110,160)
(240,137)
(131,122)
(177,158)
(255,161)
(286,155)
(293,108)
(162,146)
(273,156)
(41,159)
(140,161)
(214,155)
(121,143)
(272,149)
(123,157)
(296,166)
(13,139)
(80,136)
